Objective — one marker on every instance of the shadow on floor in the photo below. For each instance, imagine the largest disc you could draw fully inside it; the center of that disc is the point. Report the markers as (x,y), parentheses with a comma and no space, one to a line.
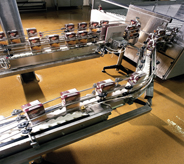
(174,84)
(33,91)
(119,74)
(169,98)
(64,156)
(150,119)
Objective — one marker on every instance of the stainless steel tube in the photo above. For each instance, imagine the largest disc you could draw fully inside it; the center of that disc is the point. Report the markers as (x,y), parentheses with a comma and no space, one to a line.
(10,17)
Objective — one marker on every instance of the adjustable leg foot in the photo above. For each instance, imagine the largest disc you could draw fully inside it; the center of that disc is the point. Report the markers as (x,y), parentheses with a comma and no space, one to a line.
(117,67)
(109,67)
(149,101)
(39,160)
(42,161)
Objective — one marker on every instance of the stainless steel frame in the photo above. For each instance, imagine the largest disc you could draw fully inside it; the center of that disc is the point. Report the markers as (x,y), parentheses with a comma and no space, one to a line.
(50,56)
(32,68)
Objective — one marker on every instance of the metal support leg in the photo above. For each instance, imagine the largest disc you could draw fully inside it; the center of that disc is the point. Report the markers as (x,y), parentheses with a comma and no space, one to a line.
(28,77)
(38,160)
(118,66)
(25,163)
(149,93)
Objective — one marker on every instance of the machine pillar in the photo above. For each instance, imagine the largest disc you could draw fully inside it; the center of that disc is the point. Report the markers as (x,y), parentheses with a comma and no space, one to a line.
(10,17)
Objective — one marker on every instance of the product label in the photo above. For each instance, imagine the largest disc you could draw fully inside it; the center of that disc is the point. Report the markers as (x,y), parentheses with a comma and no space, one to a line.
(32,32)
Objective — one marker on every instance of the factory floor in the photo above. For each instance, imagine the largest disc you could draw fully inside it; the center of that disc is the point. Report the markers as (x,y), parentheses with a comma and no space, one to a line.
(155,138)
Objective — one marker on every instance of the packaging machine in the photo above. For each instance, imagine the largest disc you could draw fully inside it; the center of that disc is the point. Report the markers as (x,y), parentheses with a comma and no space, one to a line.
(34,130)
(170,57)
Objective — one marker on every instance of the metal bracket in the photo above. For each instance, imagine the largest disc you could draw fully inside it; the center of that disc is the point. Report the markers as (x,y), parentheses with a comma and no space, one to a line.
(34,143)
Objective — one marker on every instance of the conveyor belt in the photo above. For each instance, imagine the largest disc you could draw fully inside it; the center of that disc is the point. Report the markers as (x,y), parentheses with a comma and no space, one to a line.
(24,156)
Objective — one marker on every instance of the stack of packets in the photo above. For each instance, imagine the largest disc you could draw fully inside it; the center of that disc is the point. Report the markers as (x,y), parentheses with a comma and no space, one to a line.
(82,37)
(35,44)
(3,39)
(93,26)
(135,77)
(14,37)
(105,86)
(69,27)
(34,109)
(132,30)
(104,22)
(151,45)
(159,34)
(31,32)
(70,96)
(54,41)
(70,38)
(82,26)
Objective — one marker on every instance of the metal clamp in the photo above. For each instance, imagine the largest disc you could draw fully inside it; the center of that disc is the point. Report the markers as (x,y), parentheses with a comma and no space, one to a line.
(16,112)
(20,117)
(27,130)
(4,63)
(24,125)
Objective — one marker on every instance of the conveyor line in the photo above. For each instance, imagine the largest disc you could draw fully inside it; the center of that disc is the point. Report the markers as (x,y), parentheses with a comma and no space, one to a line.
(31,68)
(26,155)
